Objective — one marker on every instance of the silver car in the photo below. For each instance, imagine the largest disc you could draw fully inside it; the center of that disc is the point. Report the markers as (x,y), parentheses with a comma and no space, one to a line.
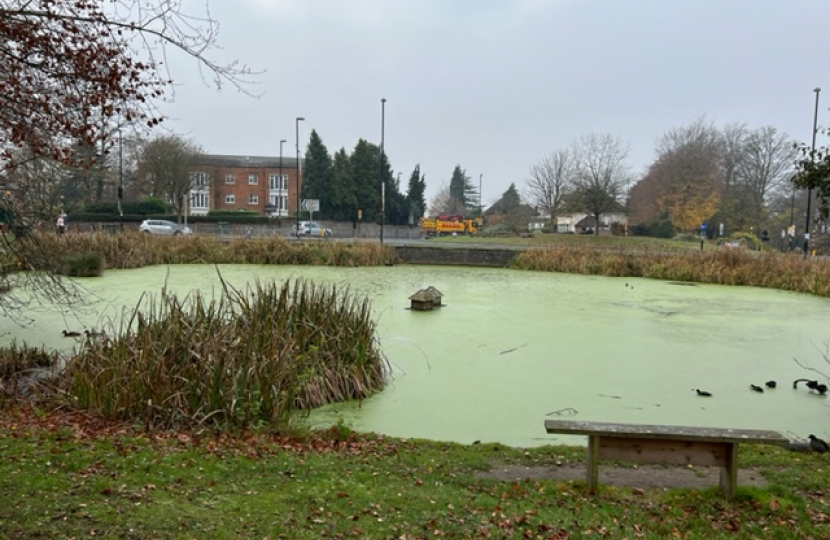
(162,226)
(310,228)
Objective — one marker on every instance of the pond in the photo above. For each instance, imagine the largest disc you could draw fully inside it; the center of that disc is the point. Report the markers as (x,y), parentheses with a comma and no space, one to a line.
(512,348)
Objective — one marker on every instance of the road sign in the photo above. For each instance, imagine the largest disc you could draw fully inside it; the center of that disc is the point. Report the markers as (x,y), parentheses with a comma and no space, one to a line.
(310,205)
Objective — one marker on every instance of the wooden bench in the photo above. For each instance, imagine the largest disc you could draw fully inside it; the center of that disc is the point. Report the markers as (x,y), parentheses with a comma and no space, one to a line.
(684,445)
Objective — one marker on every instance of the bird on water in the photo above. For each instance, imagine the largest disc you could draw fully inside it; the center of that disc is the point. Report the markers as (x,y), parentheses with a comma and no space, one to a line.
(71,333)
(771,384)
(703,393)
(756,388)
(818,445)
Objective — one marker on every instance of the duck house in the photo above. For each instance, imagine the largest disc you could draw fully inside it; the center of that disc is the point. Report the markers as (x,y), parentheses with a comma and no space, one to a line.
(436,295)
(422,300)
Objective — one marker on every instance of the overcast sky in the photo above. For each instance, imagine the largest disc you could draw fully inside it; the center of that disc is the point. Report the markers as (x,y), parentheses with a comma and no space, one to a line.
(494,86)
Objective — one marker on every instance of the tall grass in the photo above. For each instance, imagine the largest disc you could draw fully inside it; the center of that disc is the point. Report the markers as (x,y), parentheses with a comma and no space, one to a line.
(133,250)
(727,267)
(250,357)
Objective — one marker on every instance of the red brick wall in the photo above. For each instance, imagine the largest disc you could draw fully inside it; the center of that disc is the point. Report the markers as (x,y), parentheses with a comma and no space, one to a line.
(241,189)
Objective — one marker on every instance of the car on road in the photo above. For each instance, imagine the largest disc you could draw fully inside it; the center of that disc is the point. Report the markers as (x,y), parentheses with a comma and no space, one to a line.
(163,226)
(310,228)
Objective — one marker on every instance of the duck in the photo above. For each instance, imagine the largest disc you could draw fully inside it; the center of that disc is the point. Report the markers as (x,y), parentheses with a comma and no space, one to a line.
(703,393)
(818,445)
(756,388)
(71,333)
(770,384)
(94,334)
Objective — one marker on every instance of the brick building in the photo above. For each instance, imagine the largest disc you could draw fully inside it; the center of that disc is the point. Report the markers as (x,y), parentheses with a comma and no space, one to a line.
(268,185)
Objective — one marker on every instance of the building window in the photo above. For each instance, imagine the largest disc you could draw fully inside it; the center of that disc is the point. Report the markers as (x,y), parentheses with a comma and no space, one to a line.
(230,199)
(198,179)
(253,199)
(199,200)
(253,180)
(229,179)
(277,182)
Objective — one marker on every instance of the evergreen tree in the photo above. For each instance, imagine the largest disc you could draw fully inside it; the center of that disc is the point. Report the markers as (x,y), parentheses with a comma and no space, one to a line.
(415,194)
(510,200)
(317,176)
(364,165)
(343,188)
(463,195)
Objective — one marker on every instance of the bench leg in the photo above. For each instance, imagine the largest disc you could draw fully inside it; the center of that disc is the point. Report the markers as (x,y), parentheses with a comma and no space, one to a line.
(592,465)
(729,472)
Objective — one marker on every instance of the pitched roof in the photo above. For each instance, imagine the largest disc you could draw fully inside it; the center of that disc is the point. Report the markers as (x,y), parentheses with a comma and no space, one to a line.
(219,160)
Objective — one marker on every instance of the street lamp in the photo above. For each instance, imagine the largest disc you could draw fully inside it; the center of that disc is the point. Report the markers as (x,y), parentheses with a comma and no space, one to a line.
(279,182)
(817,90)
(479,195)
(297,140)
(380,167)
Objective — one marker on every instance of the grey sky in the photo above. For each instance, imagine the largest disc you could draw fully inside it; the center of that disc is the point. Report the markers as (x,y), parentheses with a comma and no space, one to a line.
(494,86)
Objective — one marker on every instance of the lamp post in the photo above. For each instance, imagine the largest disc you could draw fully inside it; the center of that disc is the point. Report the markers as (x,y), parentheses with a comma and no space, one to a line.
(480,176)
(297,139)
(380,167)
(817,90)
(279,182)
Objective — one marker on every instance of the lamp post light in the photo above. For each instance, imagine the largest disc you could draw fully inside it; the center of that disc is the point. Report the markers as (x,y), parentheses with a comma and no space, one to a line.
(380,167)
(297,140)
(817,90)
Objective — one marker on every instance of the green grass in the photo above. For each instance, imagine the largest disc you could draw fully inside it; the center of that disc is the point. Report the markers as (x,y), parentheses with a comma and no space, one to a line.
(64,482)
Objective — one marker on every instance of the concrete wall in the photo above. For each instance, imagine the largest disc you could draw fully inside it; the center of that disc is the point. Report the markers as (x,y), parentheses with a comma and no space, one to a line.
(461,256)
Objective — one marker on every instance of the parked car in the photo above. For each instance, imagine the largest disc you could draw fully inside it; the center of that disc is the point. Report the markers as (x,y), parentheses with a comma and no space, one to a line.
(310,228)
(162,226)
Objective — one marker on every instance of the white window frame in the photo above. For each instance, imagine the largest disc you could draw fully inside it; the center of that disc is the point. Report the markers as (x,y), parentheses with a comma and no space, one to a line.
(253,180)
(230,199)
(253,198)
(230,178)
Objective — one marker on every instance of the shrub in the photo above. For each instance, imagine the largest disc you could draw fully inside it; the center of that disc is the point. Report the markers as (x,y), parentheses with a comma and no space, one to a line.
(86,264)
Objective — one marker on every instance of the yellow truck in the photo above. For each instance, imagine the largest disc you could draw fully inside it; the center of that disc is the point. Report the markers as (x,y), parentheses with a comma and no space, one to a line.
(449,225)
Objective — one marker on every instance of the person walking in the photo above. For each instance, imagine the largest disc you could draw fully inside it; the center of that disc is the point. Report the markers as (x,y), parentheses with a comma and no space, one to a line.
(61,223)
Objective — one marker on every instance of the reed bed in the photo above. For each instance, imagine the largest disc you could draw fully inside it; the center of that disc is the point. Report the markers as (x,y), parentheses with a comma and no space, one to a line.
(250,357)
(131,249)
(784,271)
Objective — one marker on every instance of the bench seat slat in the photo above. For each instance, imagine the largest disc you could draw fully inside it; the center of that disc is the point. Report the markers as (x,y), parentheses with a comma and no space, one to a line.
(664,432)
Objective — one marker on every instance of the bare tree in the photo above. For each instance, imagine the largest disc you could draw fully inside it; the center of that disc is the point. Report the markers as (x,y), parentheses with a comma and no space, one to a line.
(164,168)
(765,166)
(70,69)
(550,180)
(444,203)
(601,177)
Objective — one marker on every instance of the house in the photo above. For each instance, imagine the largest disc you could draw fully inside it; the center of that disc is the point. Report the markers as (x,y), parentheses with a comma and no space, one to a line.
(268,185)
(580,222)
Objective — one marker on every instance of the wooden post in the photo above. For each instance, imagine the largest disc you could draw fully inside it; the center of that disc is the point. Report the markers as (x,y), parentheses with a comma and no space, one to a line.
(592,468)
(729,472)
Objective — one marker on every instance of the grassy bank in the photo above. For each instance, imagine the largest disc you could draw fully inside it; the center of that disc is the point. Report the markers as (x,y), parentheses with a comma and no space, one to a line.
(69,477)
(788,272)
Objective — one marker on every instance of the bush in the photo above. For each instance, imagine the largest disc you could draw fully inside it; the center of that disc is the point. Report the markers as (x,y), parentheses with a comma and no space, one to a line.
(146,206)
(239,212)
(658,227)
(86,264)
(686,237)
